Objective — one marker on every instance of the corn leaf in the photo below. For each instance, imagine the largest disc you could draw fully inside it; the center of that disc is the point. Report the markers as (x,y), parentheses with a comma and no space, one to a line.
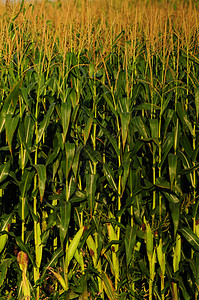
(125,120)
(41,171)
(108,286)
(44,124)
(91,185)
(191,237)
(10,125)
(197,101)
(65,214)
(130,240)
(172,160)
(65,118)
(4,170)
(74,244)
(109,176)
(70,152)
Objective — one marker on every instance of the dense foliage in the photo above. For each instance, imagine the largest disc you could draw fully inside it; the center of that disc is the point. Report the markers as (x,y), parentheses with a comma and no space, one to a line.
(99,140)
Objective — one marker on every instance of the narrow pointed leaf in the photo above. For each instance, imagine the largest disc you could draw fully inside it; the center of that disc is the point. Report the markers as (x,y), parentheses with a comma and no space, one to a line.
(10,102)
(172,160)
(191,237)
(126,167)
(70,152)
(65,211)
(91,181)
(108,286)
(44,124)
(4,170)
(112,140)
(41,171)
(87,129)
(154,127)
(10,125)
(197,102)
(109,176)
(5,264)
(125,120)
(141,126)
(65,118)
(56,255)
(130,239)
(26,181)
(74,244)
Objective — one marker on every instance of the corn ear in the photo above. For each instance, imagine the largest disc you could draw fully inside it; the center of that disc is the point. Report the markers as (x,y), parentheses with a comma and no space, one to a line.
(79,258)
(149,240)
(38,245)
(177,254)
(92,249)
(22,259)
(60,279)
(197,228)
(26,287)
(113,237)
(161,257)
(153,261)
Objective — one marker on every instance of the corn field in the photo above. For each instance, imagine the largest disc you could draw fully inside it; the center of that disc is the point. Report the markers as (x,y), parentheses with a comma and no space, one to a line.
(99,141)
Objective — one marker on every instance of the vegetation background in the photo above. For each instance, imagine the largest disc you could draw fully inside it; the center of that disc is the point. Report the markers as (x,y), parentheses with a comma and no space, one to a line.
(99,140)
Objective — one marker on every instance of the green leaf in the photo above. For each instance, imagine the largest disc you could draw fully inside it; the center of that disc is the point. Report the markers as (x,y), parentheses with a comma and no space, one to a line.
(70,152)
(56,255)
(91,181)
(166,147)
(125,120)
(129,241)
(4,170)
(108,286)
(126,168)
(87,129)
(154,128)
(187,166)
(189,124)
(94,155)
(4,265)
(5,221)
(10,125)
(76,160)
(10,102)
(174,204)
(197,101)
(109,176)
(65,118)
(146,106)
(65,212)
(41,171)
(172,160)
(25,134)
(191,237)
(141,126)
(26,181)
(74,244)
(44,124)
(110,104)
(112,140)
